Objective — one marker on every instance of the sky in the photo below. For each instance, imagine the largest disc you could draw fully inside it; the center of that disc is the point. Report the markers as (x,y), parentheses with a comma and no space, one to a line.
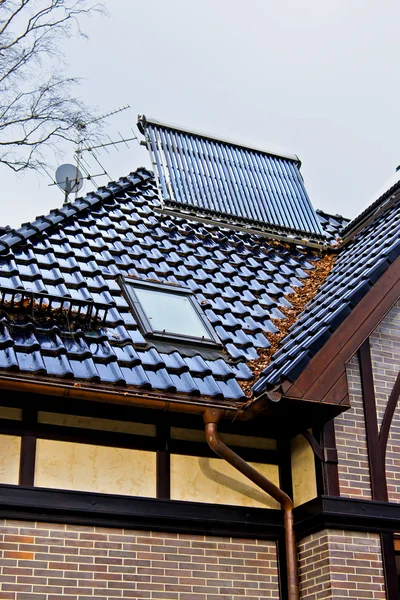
(316,78)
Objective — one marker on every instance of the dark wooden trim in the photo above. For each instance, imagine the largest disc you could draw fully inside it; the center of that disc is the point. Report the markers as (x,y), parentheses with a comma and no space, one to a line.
(324,378)
(163,461)
(285,465)
(315,446)
(269,457)
(376,466)
(318,463)
(330,464)
(348,514)
(28,448)
(387,419)
(389,566)
(85,508)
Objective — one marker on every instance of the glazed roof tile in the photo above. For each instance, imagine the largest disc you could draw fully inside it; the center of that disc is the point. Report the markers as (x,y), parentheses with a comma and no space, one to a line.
(75,255)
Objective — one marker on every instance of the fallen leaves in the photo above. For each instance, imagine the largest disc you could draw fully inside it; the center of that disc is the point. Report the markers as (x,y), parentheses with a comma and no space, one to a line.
(299,300)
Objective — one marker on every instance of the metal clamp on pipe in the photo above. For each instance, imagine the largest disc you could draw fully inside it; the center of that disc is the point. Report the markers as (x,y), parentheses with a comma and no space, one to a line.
(211,418)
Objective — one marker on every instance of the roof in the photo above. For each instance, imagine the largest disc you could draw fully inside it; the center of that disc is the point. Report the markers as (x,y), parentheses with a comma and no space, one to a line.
(213,178)
(332,225)
(359,265)
(71,259)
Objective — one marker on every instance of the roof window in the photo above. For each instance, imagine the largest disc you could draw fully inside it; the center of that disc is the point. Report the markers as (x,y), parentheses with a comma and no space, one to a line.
(171,312)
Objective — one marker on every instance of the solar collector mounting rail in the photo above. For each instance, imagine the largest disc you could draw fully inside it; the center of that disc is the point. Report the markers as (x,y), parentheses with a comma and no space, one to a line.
(235,183)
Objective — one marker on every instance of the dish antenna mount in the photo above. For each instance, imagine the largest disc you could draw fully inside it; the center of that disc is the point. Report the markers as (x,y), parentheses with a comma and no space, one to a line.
(69,179)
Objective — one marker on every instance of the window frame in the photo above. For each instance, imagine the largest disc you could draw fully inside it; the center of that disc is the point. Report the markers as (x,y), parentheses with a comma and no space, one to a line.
(128,287)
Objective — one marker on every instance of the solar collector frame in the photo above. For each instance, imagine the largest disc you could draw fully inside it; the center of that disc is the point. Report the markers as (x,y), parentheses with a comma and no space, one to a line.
(206,176)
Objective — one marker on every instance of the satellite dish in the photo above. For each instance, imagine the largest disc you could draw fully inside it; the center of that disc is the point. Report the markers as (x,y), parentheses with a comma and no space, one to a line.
(69,178)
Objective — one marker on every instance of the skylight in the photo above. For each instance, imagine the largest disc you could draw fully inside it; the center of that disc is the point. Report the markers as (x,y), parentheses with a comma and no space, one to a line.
(166,311)
(238,184)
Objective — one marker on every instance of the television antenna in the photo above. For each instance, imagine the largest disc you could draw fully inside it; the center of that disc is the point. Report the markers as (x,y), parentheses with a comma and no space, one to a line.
(71,180)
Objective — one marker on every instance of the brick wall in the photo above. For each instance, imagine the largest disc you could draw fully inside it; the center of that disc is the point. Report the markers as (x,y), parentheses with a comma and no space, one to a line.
(341,564)
(42,561)
(354,479)
(385,354)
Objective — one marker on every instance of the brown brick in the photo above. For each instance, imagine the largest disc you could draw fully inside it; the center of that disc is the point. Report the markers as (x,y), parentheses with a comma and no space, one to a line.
(19,555)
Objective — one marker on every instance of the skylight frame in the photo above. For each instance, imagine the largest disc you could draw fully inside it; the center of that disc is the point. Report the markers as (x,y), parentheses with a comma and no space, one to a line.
(128,286)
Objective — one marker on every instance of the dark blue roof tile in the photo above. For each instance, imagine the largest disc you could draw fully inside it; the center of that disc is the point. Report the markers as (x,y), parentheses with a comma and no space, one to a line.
(84,368)
(208,386)
(160,380)
(31,361)
(242,371)
(8,359)
(185,383)
(136,376)
(198,366)
(231,389)
(58,366)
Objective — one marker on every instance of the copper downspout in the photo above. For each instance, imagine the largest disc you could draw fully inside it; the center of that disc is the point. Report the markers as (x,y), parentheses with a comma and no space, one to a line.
(211,418)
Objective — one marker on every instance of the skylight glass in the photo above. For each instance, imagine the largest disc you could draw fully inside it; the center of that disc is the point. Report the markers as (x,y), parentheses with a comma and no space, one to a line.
(169,312)
(173,313)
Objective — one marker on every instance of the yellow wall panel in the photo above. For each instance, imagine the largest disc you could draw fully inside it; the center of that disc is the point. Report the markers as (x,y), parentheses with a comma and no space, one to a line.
(202,479)
(303,471)
(85,467)
(7,412)
(10,449)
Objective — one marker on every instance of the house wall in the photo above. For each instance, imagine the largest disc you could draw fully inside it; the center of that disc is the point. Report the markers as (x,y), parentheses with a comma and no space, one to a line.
(341,564)
(126,462)
(47,561)
(353,467)
(351,442)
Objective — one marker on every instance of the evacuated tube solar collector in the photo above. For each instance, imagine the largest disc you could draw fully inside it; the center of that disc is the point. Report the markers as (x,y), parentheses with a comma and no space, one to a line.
(232,183)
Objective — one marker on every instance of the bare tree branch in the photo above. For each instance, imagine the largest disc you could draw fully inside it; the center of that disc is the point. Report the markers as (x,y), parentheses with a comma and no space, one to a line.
(37,107)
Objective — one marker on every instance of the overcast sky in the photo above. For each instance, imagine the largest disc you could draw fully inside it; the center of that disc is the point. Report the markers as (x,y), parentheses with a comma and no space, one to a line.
(316,78)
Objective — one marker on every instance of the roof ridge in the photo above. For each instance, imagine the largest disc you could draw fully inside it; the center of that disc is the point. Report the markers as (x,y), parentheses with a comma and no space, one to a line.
(56,216)
(371,211)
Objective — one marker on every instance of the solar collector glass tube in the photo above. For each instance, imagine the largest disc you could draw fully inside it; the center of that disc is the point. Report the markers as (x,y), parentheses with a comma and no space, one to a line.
(267,215)
(175,179)
(191,162)
(246,210)
(156,157)
(213,167)
(258,205)
(206,200)
(235,198)
(266,174)
(226,192)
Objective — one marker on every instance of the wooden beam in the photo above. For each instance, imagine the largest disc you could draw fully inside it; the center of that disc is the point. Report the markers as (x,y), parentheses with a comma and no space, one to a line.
(28,448)
(376,466)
